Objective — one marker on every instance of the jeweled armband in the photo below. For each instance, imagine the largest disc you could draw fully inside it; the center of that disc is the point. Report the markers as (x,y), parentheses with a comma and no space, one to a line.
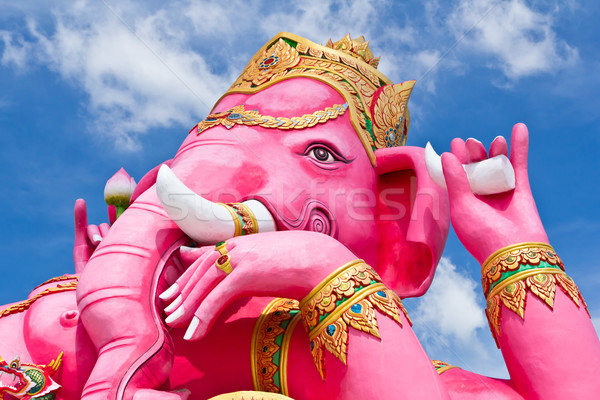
(347,297)
(511,272)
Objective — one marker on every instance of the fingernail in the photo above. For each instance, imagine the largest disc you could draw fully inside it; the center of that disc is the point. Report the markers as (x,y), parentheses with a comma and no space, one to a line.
(186,248)
(175,316)
(174,304)
(191,330)
(97,238)
(499,136)
(167,294)
(475,140)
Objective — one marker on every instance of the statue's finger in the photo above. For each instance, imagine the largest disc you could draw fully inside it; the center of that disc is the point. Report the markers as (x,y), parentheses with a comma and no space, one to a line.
(498,147)
(80,213)
(93,234)
(519,148)
(192,300)
(475,150)
(189,255)
(209,310)
(456,178)
(199,269)
(184,280)
(103,227)
(459,149)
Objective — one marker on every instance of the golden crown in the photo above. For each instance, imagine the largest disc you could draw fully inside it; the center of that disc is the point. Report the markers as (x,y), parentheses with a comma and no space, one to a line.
(378,108)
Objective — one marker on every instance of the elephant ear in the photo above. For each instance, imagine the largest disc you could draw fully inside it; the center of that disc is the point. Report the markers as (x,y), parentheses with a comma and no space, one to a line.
(412,220)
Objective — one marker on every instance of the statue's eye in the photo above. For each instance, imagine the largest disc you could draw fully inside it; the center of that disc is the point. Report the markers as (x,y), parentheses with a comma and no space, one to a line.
(321,154)
(16,364)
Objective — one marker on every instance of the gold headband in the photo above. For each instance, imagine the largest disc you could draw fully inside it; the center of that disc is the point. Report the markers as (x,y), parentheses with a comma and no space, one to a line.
(378,108)
(238,115)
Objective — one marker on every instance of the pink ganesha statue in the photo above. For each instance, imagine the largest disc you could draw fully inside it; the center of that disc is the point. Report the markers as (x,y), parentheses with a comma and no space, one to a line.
(268,258)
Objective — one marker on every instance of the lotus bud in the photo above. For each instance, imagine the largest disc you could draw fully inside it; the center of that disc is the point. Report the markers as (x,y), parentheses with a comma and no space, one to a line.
(118,191)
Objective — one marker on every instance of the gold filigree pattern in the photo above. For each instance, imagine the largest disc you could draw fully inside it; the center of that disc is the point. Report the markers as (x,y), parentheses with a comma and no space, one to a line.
(273,60)
(391,116)
(338,286)
(62,278)
(268,341)
(514,257)
(238,115)
(347,298)
(512,293)
(358,47)
(249,224)
(347,65)
(24,305)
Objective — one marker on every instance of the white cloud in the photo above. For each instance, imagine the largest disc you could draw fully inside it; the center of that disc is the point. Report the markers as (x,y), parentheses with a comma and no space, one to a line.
(451,324)
(450,305)
(137,77)
(145,66)
(520,40)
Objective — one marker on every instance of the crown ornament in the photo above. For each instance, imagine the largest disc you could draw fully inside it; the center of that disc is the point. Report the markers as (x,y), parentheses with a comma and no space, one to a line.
(377,108)
(358,48)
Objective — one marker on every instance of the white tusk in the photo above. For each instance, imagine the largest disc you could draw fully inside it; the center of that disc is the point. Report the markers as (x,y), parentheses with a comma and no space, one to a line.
(491,176)
(202,220)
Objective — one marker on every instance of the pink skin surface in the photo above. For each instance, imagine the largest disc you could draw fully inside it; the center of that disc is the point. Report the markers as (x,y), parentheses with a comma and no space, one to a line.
(119,282)
(393,216)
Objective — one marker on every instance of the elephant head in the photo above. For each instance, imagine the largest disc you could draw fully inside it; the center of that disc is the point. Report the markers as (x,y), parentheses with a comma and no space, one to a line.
(309,137)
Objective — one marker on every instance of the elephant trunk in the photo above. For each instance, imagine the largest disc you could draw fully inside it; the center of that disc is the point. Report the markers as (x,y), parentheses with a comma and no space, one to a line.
(116,299)
(118,289)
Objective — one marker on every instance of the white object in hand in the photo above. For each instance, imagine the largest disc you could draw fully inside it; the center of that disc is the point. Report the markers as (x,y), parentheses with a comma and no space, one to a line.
(490,176)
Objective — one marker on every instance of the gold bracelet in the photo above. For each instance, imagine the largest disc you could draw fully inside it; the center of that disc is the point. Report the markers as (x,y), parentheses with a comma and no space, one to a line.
(347,297)
(510,273)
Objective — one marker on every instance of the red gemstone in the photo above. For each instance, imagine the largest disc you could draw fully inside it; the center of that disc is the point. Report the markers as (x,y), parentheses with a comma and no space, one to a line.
(268,61)
(223,259)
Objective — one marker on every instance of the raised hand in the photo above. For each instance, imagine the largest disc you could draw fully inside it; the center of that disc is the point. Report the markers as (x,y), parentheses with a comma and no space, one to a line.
(278,264)
(485,224)
(88,237)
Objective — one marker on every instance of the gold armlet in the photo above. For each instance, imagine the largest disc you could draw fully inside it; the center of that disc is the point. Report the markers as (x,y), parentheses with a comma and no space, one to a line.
(347,297)
(509,273)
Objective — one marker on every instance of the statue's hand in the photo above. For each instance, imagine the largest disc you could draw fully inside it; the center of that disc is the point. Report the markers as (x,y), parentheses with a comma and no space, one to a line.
(88,237)
(276,264)
(485,224)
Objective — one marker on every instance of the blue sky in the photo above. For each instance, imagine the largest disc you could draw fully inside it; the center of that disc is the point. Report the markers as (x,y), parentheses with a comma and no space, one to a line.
(88,87)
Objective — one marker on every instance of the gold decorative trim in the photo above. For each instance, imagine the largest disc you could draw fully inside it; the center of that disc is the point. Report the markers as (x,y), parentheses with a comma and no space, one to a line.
(235,218)
(249,224)
(285,348)
(348,297)
(327,280)
(339,310)
(238,115)
(269,339)
(66,277)
(24,305)
(511,258)
(391,115)
(347,65)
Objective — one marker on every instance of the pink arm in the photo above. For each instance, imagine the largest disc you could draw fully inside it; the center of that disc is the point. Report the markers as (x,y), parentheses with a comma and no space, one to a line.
(550,352)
